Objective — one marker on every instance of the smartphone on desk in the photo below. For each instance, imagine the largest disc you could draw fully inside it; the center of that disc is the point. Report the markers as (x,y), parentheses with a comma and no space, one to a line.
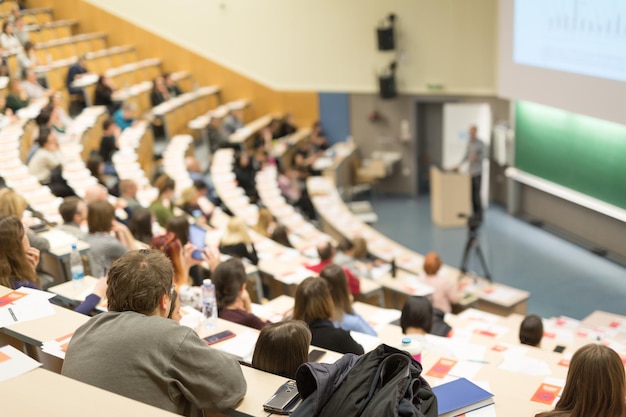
(284,399)
(219,337)
(315,355)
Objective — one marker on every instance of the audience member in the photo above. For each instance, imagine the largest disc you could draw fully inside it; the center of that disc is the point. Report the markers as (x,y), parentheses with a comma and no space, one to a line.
(75,72)
(128,192)
(531,330)
(140,225)
(188,203)
(20,31)
(344,257)
(280,235)
(174,313)
(104,248)
(236,241)
(96,192)
(594,386)
(295,191)
(179,225)
(319,142)
(163,206)
(109,144)
(8,39)
(416,316)
(419,317)
(233,300)
(17,98)
(73,210)
(326,253)
(159,92)
(216,135)
(233,121)
(103,94)
(27,59)
(171,85)
(282,347)
(245,174)
(265,224)
(97,167)
(135,351)
(126,115)
(171,246)
(31,86)
(287,125)
(446,292)
(344,316)
(18,261)
(14,204)
(45,164)
(274,127)
(314,306)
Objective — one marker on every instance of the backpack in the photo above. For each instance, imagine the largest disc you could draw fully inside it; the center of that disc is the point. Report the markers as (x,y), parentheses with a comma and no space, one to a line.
(383,382)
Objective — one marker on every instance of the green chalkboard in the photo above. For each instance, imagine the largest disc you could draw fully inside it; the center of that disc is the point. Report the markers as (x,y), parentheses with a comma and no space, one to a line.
(579,152)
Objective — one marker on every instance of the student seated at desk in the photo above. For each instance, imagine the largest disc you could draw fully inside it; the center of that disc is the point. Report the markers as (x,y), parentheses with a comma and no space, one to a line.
(418,318)
(326,253)
(140,225)
(280,235)
(171,246)
(282,347)
(134,350)
(594,387)
(12,203)
(103,93)
(314,305)
(73,210)
(18,261)
(126,115)
(159,92)
(45,164)
(163,206)
(17,98)
(189,202)
(266,223)
(104,248)
(446,291)
(233,300)
(345,317)
(531,330)
(245,172)
(236,241)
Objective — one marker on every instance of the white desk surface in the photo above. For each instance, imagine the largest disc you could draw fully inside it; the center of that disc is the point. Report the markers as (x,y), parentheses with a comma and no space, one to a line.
(44,393)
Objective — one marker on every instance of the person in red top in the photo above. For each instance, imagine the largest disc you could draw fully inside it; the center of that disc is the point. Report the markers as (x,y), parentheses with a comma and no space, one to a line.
(326,253)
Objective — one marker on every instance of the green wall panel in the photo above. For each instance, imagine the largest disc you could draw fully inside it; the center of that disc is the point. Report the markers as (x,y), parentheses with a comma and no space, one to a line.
(579,152)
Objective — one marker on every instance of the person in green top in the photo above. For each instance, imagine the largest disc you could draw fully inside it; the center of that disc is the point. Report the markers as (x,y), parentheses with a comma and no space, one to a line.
(17,97)
(163,207)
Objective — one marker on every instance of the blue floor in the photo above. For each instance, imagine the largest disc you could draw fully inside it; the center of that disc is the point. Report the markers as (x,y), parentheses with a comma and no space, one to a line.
(563,278)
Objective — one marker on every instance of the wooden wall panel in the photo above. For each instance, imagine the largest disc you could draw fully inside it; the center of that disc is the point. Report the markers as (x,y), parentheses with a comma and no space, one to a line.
(303,105)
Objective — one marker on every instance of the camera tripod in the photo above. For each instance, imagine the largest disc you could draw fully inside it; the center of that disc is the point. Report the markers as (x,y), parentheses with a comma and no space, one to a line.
(473,243)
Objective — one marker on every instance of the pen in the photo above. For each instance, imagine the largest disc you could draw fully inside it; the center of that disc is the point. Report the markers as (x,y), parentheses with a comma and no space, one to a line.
(478,361)
(12,314)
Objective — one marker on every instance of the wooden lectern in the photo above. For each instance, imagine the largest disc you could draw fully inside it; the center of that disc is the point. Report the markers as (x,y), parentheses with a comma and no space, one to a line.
(450,194)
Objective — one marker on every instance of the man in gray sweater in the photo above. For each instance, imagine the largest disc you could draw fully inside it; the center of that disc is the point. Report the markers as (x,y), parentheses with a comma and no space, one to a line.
(134,350)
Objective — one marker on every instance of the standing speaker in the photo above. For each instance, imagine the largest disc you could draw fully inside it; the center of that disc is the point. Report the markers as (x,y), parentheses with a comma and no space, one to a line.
(387,85)
(386,40)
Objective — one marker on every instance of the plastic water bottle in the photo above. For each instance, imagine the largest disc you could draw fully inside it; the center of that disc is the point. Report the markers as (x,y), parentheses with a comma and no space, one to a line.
(413,347)
(209,304)
(76,267)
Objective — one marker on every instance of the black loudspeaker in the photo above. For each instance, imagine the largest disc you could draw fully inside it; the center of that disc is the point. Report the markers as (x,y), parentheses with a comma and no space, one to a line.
(386,39)
(387,85)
